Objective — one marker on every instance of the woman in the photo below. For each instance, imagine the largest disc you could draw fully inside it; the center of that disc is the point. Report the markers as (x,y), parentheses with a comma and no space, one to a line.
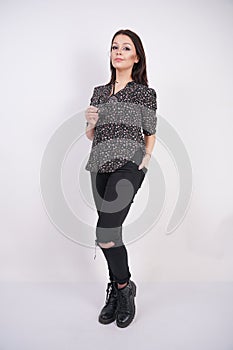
(121,122)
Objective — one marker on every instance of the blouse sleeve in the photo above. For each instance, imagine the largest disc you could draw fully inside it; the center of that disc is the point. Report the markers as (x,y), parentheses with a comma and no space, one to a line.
(94,101)
(149,117)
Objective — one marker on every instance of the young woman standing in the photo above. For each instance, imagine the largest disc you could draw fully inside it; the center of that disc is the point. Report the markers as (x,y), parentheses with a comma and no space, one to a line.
(121,123)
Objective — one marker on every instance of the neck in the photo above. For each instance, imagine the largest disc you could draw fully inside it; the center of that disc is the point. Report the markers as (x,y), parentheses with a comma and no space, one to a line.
(123,78)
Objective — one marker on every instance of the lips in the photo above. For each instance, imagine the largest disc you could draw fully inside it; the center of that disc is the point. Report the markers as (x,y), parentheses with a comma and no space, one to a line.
(118,59)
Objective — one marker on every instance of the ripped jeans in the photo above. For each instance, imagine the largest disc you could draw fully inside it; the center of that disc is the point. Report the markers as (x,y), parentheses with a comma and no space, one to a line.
(113,195)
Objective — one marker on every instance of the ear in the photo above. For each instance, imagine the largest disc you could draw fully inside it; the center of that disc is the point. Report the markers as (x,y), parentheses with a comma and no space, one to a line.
(137,59)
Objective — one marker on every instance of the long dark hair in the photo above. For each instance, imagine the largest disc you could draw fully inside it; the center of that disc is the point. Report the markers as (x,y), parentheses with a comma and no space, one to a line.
(139,74)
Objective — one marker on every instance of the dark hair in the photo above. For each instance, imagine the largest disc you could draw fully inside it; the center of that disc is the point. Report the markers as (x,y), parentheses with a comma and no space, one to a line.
(139,69)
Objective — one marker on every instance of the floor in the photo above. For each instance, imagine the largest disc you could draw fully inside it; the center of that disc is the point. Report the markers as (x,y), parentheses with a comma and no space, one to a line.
(64,316)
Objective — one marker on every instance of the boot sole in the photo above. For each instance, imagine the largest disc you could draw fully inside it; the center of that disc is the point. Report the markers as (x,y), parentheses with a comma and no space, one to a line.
(120,325)
(110,320)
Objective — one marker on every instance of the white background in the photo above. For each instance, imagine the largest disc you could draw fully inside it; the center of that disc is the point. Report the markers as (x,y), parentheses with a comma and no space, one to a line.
(52,55)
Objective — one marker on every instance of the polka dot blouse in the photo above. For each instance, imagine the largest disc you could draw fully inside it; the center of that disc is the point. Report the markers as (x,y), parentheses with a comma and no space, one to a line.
(123,119)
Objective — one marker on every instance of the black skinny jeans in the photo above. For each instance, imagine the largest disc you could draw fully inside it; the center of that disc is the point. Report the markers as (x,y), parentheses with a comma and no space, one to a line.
(113,195)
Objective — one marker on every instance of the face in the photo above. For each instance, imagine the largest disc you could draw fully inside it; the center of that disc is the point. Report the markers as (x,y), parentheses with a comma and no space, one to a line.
(123,52)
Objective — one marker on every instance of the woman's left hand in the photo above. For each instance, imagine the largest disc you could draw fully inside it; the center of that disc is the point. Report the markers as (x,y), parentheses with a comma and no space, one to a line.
(145,162)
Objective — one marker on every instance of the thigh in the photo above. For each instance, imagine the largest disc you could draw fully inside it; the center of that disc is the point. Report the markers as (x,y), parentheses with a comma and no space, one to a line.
(128,176)
(120,190)
(98,184)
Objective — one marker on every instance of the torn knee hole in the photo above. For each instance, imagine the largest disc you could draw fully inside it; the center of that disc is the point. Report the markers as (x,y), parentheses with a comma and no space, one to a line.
(107,245)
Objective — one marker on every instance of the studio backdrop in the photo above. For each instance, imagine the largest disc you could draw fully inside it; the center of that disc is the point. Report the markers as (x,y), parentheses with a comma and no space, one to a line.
(52,56)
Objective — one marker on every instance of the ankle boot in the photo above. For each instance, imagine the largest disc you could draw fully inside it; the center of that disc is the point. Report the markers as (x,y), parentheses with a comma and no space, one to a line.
(108,312)
(126,305)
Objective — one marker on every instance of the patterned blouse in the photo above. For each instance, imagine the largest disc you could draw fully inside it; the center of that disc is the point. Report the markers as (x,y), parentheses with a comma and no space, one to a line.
(123,119)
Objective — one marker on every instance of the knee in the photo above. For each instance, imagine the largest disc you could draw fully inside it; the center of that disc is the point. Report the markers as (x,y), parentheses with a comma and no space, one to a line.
(107,245)
(108,237)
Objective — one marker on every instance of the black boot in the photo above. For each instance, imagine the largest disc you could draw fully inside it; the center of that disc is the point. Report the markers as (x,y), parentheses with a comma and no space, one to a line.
(126,305)
(108,312)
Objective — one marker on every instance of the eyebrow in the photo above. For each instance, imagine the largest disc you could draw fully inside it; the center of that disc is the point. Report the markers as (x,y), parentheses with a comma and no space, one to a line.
(123,43)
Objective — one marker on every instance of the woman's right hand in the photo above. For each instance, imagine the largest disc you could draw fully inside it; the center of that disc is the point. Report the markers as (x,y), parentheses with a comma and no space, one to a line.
(91,115)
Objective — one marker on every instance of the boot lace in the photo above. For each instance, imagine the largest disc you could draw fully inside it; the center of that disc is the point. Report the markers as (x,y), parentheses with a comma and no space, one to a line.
(110,293)
(124,302)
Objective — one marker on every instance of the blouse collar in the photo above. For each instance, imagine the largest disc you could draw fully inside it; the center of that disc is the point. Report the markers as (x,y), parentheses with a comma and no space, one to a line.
(129,87)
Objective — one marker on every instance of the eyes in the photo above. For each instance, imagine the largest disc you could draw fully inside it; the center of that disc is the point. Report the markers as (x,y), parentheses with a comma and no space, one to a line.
(125,48)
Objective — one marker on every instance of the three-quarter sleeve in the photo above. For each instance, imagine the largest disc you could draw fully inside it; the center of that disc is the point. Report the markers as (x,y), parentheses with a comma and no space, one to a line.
(94,101)
(149,117)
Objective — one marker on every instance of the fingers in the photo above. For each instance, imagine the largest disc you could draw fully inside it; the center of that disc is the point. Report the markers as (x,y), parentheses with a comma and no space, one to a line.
(140,166)
(92,109)
(144,163)
(91,114)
